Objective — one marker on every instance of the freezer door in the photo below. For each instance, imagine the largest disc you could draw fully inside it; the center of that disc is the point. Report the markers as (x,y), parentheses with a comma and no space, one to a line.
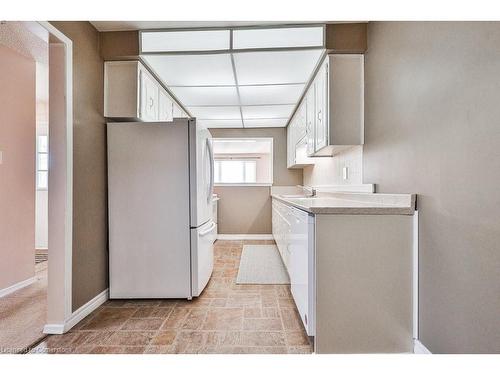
(201,173)
(202,256)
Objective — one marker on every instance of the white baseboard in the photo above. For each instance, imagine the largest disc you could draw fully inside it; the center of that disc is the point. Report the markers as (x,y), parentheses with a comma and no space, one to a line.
(238,237)
(53,329)
(11,289)
(78,315)
(419,348)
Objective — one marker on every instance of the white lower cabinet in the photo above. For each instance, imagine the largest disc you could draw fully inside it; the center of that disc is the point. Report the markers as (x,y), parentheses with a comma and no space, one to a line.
(293,231)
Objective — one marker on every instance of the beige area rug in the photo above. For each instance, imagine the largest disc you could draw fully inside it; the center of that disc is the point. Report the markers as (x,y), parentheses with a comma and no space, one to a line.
(261,264)
(23,314)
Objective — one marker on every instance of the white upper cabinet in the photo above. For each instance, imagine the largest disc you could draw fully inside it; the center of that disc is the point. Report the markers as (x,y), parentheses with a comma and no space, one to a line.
(321,108)
(149,97)
(178,112)
(339,90)
(310,103)
(165,106)
(330,117)
(296,139)
(132,93)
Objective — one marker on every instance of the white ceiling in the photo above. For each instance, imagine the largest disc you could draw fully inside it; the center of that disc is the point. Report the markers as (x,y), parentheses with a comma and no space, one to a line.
(224,85)
(27,38)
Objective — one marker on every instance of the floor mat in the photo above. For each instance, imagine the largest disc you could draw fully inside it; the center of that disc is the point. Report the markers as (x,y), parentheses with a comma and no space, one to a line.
(261,264)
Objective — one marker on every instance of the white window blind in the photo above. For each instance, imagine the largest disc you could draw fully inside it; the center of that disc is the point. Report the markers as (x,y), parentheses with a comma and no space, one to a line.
(42,162)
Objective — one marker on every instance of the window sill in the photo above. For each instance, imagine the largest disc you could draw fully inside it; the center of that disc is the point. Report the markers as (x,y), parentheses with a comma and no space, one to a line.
(245,185)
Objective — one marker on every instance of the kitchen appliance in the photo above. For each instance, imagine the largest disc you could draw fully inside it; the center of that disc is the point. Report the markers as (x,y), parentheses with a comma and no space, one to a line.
(160,186)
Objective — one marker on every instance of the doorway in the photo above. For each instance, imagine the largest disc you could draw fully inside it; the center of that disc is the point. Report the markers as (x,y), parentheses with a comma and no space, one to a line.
(35,182)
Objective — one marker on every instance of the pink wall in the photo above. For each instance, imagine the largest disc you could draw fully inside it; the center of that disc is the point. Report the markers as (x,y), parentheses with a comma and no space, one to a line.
(17,170)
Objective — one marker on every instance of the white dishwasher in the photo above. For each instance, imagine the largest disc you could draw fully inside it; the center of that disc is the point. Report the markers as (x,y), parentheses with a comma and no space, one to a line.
(301,266)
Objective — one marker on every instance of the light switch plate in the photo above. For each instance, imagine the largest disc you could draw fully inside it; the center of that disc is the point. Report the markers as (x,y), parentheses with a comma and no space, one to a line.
(345,173)
(1,157)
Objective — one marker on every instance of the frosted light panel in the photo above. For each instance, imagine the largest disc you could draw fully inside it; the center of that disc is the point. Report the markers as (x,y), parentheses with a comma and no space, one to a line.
(216,113)
(266,123)
(278,38)
(274,94)
(193,70)
(268,111)
(221,123)
(176,41)
(275,67)
(192,96)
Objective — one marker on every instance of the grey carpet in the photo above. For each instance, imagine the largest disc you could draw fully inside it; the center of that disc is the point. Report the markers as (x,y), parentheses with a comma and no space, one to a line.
(261,264)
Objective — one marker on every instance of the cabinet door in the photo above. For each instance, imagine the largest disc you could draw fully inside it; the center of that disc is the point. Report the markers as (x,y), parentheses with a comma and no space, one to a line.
(165,106)
(291,142)
(301,121)
(310,119)
(289,145)
(321,89)
(178,112)
(149,97)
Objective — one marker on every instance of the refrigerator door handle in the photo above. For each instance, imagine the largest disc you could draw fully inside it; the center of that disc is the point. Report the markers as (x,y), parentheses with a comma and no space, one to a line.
(211,185)
(207,231)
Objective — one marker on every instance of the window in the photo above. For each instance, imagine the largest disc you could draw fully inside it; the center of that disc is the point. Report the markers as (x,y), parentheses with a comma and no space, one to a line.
(243,161)
(235,171)
(42,162)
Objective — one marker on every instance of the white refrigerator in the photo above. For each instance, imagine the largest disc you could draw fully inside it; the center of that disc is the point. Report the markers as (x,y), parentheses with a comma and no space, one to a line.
(161,232)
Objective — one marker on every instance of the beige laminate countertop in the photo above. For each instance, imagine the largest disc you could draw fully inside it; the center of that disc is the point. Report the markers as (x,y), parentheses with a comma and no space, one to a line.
(353,203)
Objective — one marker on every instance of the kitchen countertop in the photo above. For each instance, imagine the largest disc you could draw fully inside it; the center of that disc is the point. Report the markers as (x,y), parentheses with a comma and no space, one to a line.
(352,203)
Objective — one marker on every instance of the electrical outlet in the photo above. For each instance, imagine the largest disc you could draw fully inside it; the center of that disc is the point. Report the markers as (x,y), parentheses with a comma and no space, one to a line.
(345,173)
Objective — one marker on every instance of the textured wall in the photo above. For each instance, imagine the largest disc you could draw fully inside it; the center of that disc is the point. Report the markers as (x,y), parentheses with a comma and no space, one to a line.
(17,169)
(329,170)
(432,128)
(90,254)
(247,210)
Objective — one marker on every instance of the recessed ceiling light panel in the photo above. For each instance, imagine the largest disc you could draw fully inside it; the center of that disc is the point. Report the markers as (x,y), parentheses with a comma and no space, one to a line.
(278,37)
(267,111)
(276,67)
(178,41)
(212,95)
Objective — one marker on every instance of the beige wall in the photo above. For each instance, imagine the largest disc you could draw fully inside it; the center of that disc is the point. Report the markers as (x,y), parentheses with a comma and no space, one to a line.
(247,210)
(17,168)
(329,170)
(432,128)
(90,254)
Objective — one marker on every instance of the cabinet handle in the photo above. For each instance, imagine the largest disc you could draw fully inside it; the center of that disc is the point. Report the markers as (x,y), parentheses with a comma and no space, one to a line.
(319,115)
(151,102)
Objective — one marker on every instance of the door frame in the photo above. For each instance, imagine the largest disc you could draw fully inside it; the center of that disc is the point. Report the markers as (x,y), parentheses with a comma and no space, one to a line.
(60,296)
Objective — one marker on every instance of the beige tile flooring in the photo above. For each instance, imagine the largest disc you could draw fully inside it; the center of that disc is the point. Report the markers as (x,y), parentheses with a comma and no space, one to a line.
(226,318)
(23,314)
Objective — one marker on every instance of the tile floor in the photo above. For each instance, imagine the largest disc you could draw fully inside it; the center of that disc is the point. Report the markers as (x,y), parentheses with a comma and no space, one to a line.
(226,318)
(23,314)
